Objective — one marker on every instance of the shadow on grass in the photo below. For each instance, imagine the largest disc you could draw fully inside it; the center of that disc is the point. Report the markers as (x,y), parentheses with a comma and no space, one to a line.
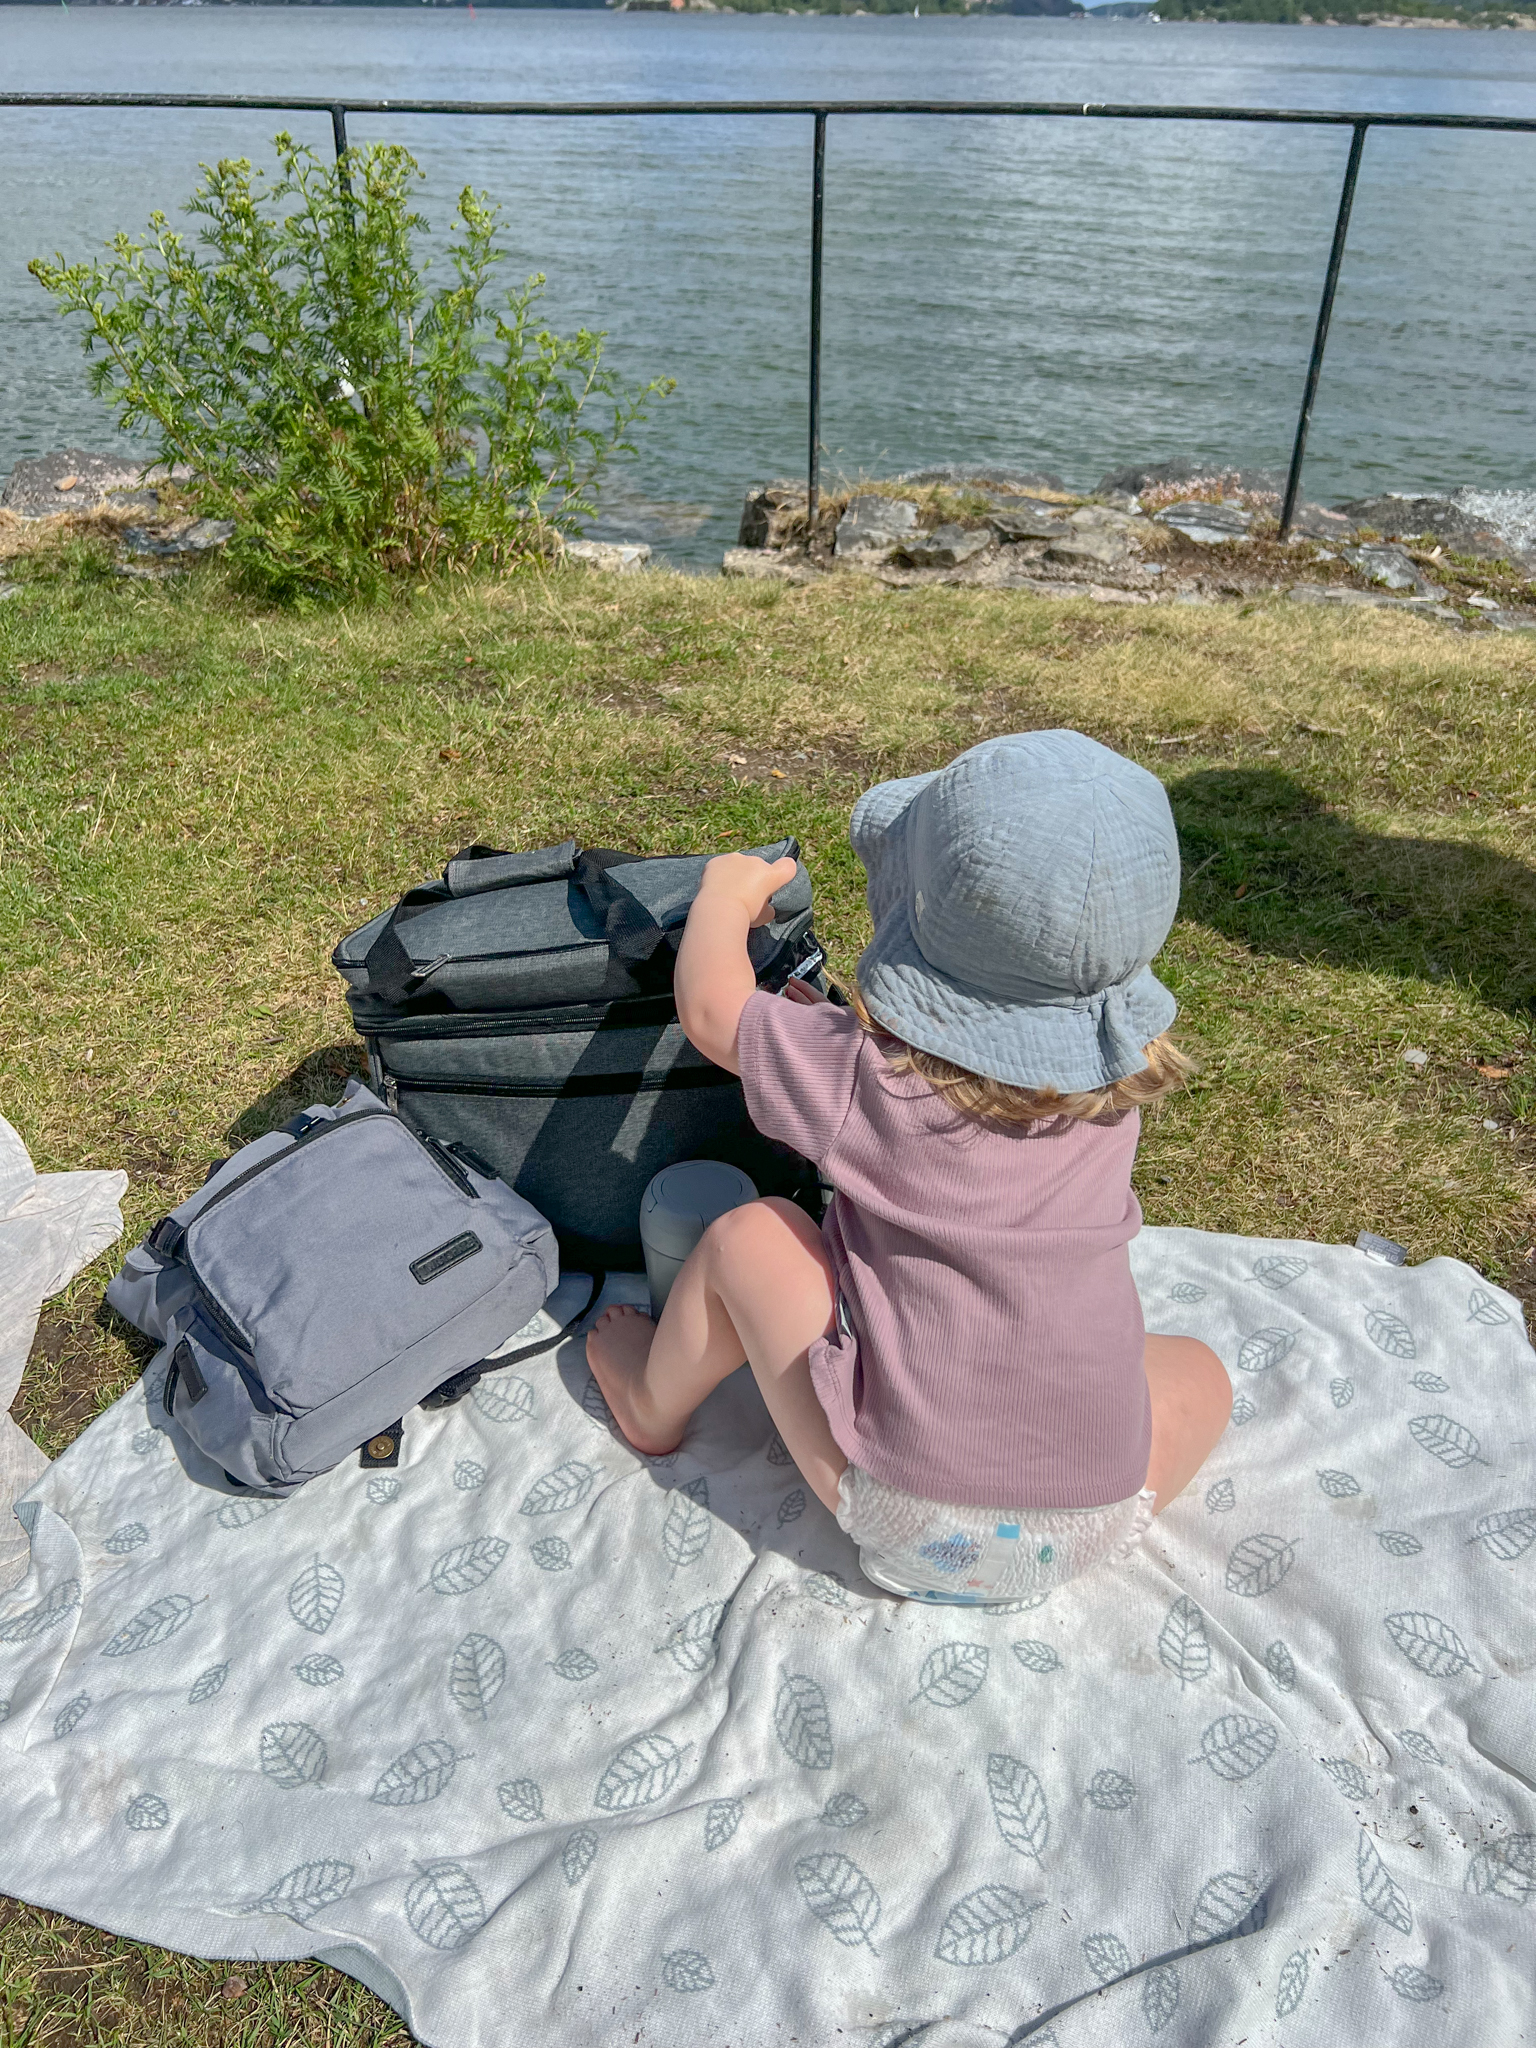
(319,1078)
(1316,888)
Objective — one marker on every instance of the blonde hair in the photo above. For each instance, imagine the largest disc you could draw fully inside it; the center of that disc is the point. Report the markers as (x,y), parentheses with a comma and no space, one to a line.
(978,1095)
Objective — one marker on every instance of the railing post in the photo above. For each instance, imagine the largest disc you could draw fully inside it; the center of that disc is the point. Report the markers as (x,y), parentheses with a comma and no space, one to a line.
(813,459)
(1320,337)
(339,137)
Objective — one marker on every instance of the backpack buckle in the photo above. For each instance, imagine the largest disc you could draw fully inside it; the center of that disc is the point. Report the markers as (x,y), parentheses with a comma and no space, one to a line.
(166,1239)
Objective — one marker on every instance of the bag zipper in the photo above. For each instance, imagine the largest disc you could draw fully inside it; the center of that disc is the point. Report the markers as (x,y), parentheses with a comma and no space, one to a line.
(574,1086)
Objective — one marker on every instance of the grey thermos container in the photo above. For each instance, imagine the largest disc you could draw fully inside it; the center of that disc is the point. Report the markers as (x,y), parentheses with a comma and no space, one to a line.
(677,1208)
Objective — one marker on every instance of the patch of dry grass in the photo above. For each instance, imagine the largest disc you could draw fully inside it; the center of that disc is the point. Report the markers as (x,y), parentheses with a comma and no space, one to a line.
(197,799)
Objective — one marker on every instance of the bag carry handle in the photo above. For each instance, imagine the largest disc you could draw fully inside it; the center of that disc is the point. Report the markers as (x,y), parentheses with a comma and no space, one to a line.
(465,1381)
(633,932)
(473,870)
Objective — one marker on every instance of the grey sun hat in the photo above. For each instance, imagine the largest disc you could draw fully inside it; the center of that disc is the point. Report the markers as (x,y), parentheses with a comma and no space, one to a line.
(1018,895)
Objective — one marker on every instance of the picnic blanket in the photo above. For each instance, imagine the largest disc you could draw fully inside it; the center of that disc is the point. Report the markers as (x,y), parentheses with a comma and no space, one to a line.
(546,1741)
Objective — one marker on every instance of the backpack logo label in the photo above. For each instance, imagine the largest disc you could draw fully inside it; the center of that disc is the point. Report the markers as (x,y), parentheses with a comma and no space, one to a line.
(434,1263)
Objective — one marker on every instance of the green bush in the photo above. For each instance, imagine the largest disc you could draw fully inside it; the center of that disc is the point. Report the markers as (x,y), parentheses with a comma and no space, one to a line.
(354,424)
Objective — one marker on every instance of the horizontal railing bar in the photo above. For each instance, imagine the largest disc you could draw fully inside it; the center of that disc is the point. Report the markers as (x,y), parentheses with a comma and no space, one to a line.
(557,109)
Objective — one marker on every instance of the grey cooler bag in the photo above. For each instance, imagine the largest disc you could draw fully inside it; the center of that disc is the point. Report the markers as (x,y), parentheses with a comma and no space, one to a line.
(523,1006)
(325,1280)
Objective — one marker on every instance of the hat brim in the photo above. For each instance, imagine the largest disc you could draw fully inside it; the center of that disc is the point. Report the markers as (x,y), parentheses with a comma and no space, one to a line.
(1071,1044)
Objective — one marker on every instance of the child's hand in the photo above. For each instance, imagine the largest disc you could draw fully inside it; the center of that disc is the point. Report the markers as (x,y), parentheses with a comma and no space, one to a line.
(796,991)
(748,880)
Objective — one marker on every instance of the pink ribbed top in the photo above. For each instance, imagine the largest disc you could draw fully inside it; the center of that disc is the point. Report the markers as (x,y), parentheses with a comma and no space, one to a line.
(996,1356)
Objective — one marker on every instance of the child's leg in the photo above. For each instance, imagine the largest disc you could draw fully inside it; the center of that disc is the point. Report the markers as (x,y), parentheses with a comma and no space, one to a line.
(758,1286)
(1191,1405)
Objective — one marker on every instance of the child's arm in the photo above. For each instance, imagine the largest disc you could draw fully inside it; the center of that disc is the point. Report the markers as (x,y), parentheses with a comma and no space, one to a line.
(714,975)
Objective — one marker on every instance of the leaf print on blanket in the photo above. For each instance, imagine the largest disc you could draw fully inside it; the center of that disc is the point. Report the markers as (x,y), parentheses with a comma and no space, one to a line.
(314,1598)
(692,1642)
(131,1536)
(1505,1870)
(1221,1498)
(383,1489)
(476,1673)
(792,1506)
(1338,1485)
(239,1514)
(504,1398)
(467,1565)
(1292,1988)
(566,1487)
(1389,1333)
(151,1626)
(1430,1644)
(685,1532)
(1186,1291)
(643,1772)
(1430,1383)
(1037,1656)
(1264,1349)
(841,1897)
(687,1969)
(1159,1996)
(1280,1665)
(1182,1646)
(577,1855)
(1419,1745)
(1278,1270)
(1258,1564)
(468,1475)
(1019,1805)
(844,1810)
(550,1554)
(722,1817)
(574,1665)
(952,1674)
(1243,1411)
(986,1926)
(521,1799)
(1341,1392)
(1347,1775)
(444,1906)
(70,1715)
(1230,1903)
(147,1814)
(301,1892)
(1109,1791)
(1508,1535)
(1379,1890)
(826,1587)
(1398,1543)
(1410,1982)
(292,1754)
(1235,1746)
(318,1669)
(1107,1956)
(778,1452)
(422,1773)
(50,1610)
(207,1683)
(1482,1307)
(802,1723)
(1449,1441)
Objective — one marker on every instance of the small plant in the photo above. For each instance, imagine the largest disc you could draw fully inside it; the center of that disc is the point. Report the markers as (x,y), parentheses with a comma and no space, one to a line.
(355,425)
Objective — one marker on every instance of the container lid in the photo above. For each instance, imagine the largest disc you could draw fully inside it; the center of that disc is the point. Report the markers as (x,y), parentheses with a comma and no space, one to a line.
(682,1200)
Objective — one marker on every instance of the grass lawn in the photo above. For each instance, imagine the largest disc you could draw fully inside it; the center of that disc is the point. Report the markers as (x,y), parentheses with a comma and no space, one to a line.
(197,800)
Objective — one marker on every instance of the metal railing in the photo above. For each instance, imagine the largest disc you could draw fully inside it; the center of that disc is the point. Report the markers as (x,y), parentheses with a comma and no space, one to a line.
(820,112)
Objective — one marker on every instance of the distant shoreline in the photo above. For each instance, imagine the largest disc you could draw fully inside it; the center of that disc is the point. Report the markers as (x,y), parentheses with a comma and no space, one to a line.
(1483,22)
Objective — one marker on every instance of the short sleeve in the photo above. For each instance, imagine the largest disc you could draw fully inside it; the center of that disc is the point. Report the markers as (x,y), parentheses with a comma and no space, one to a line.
(799,1063)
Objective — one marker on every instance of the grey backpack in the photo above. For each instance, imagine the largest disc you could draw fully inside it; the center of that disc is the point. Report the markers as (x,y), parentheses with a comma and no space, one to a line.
(323,1281)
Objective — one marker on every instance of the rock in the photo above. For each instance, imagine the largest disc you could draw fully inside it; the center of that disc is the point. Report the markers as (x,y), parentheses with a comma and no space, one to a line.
(1339,593)
(1185,469)
(1411,518)
(1392,567)
(770,513)
(1211,525)
(1015,519)
(1513,619)
(36,489)
(944,547)
(1100,549)
(986,479)
(1316,522)
(9,590)
(616,557)
(193,539)
(764,565)
(872,527)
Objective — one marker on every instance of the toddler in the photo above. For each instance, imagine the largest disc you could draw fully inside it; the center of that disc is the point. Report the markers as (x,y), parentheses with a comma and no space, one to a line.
(956,1361)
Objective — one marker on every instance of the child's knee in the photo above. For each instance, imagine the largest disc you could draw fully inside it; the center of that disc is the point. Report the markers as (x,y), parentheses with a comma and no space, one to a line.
(762,1233)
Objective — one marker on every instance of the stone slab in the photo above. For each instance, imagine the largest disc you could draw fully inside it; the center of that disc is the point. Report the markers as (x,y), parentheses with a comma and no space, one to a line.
(36,488)
(613,557)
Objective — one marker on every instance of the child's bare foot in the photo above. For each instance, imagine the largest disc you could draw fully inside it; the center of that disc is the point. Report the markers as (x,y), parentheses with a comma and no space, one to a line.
(618,1345)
